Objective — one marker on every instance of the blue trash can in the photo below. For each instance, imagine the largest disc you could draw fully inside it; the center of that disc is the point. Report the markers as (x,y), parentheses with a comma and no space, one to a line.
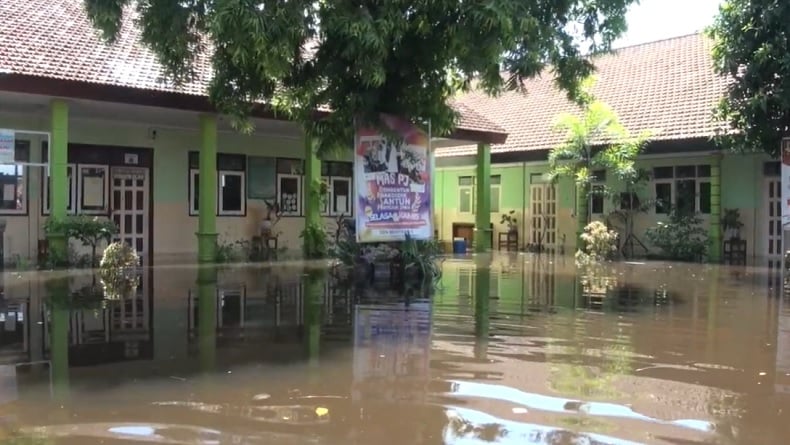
(459,246)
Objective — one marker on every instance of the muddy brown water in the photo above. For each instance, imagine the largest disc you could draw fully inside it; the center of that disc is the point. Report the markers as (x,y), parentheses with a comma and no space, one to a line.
(509,349)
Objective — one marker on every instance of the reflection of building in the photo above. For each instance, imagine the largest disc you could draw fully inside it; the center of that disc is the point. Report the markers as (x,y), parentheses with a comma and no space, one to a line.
(392,341)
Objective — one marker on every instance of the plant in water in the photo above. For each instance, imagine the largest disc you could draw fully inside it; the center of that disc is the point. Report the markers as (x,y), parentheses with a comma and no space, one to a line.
(89,230)
(594,140)
(118,270)
(600,244)
(422,256)
(681,237)
(314,241)
(510,219)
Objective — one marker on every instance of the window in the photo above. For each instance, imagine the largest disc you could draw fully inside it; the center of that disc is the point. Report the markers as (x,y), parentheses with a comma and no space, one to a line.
(93,184)
(13,178)
(340,195)
(339,187)
(232,195)
(684,187)
(466,185)
(598,178)
(289,194)
(45,186)
(231,184)
(496,181)
(194,191)
(325,181)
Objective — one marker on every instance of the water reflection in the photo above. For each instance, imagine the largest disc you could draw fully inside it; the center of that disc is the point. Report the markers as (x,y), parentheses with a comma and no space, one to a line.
(509,349)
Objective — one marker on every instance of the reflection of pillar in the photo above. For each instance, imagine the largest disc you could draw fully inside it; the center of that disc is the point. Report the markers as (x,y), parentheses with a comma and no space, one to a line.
(713,297)
(483,219)
(207,317)
(207,190)
(58,293)
(482,303)
(313,303)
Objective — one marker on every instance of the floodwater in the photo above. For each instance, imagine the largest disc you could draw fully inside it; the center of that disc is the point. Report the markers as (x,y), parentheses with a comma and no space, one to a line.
(510,349)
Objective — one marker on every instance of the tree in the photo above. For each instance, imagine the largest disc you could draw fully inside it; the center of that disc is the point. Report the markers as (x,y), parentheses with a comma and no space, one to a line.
(594,139)
(360,58)
(752,48)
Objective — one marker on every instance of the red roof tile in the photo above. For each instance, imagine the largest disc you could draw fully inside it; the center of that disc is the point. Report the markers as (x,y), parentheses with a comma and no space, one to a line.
(668,86)
(54,39)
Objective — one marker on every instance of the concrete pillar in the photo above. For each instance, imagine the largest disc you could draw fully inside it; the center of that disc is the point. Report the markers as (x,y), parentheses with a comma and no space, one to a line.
(714,252)
(483,215)
(207,213)
(58,170)
(312,195)
(582,212)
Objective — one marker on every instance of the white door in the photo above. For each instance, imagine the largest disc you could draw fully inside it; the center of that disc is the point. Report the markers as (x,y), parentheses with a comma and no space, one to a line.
(543,214)
(772,208)
(130,208)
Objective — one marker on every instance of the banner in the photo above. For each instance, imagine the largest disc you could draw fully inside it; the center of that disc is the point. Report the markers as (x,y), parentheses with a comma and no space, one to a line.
(7,145)
(393,183)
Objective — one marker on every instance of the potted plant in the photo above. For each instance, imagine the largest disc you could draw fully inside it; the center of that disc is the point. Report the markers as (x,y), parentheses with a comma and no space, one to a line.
(731,223)
(509,218)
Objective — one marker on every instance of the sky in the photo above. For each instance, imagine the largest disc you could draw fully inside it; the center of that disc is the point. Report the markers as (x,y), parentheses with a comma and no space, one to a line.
(653,20)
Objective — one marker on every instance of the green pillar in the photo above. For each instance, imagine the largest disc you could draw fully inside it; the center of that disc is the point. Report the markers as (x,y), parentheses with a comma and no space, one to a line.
(714,255)
(582,212)
(312,193)
(58,171)
(207,219)
(483,216)
(207,317)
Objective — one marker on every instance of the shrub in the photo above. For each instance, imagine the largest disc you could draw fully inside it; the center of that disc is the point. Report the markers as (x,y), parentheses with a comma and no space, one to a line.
(600,244)
(119,270)
(681,238)
(89,230)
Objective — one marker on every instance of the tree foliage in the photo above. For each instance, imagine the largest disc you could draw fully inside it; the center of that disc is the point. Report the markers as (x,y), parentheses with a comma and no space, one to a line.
(752,47)
(360,58)
(594,139)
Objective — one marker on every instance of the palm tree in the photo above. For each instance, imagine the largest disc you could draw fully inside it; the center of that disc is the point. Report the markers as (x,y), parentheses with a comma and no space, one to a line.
(594,140)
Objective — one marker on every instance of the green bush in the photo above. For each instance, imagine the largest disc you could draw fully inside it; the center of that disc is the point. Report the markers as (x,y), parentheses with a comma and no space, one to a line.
(89,230)
(119,271)
(314,241)
(600,244)
(681,238)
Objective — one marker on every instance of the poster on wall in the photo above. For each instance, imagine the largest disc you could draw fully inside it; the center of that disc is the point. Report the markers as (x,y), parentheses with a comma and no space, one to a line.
(7,145)
(785,182)
(393,183)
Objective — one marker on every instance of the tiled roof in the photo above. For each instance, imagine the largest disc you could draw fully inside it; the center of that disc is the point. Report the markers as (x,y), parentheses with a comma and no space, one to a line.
(668,86)
(54,39)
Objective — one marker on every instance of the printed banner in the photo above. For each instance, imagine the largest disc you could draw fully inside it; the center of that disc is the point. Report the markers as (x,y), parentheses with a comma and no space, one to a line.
(393,183)
(7,145)
(785,182)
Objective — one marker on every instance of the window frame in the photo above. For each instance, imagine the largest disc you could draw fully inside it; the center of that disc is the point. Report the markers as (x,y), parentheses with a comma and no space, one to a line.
(299,193)
(333,211)
(220,200)
(325,205)
(21,165)
(105,210)
(46,207)
(192,185)
(471,189)
(598,182)
(700,177)
(498,187)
